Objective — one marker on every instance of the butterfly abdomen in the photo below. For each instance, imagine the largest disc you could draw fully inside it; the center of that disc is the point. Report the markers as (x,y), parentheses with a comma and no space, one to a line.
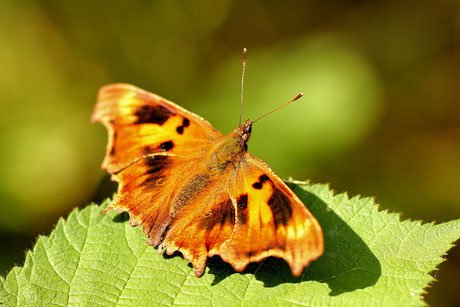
(196,185)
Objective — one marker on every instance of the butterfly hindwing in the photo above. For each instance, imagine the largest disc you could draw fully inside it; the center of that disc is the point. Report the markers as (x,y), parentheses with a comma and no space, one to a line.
(270,221)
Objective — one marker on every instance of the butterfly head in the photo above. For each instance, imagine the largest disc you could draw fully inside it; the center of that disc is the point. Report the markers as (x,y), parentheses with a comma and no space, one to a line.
(242,134)
(245,131)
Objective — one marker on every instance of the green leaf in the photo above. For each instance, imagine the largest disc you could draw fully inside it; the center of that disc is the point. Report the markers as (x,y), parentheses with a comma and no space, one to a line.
(371,258)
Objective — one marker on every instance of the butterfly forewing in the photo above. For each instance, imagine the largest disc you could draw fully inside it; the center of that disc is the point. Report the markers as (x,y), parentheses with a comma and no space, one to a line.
(141,124)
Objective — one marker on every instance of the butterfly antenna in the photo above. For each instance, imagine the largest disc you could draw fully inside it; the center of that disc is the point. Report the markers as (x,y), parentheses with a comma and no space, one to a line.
(245,54)
(292,100)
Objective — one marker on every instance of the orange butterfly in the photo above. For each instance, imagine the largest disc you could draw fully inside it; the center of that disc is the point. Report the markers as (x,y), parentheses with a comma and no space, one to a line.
(197,191)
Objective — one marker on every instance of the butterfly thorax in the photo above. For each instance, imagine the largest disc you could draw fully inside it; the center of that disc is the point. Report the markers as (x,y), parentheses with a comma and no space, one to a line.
(230,148)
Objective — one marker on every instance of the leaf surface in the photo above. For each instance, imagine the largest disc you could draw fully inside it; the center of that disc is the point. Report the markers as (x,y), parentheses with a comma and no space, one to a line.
(371,258)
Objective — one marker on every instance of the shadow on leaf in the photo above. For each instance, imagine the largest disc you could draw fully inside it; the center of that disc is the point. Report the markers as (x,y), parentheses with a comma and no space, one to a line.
(347,263)
(121,217)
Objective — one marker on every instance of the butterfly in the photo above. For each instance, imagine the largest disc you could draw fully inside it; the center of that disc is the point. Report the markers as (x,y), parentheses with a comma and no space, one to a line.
(197,191)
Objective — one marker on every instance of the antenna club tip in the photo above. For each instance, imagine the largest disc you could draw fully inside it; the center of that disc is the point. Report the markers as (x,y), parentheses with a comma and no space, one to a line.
(245,53)
(297,97)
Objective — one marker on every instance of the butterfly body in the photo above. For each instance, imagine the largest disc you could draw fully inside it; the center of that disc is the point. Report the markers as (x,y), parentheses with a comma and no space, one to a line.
(197,191)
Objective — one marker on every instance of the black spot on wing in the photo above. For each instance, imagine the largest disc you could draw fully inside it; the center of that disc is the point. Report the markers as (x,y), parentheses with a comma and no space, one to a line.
(156,166)
(242,202)
(281,207)
(258,185)
(242,205)
(185,123)
(221,214)
(156,163)
(152,114)
(166,146)
(264,178)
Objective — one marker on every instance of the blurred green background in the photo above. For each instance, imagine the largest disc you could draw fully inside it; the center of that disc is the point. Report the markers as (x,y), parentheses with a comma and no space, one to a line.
(380,116)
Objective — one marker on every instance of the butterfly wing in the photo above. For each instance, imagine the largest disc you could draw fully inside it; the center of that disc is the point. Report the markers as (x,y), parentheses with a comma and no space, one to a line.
(142,124)
(153,144)
(248,215)
(270,221)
